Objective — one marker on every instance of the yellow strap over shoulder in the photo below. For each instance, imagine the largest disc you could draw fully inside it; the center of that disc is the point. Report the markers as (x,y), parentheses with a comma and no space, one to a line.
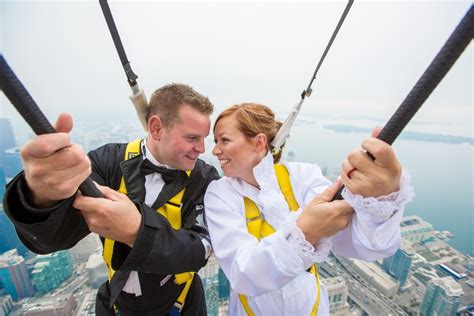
(285,186)
(132,150)
(171,211)
(259,227)
(245,304)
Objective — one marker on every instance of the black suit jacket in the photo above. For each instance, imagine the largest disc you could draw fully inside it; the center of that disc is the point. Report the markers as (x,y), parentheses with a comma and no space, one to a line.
(159,250)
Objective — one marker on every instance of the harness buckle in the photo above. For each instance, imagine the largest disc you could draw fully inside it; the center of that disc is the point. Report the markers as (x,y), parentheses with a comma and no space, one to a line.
(180,205)
(179,306)
(260,216)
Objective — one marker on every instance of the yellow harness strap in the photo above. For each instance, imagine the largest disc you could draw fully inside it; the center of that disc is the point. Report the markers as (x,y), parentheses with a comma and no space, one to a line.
(258,227)
(314,271)
(171,211)
(284,183)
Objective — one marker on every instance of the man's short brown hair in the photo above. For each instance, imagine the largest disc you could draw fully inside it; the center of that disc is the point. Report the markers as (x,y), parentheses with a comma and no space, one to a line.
(167,100)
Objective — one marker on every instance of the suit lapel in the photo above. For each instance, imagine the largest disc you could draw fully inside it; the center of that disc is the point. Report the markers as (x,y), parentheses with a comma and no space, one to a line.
(134,179)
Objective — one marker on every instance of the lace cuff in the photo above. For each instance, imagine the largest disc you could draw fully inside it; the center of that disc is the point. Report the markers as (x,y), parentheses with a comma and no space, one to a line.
(383,207)
(307,252)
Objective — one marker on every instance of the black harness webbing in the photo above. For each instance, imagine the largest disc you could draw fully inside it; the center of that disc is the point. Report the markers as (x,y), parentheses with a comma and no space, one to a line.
(284,130)
(131,76)
(307,91)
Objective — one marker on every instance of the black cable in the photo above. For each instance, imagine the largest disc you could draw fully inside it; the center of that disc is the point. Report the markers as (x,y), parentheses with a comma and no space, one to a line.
(31,113)
(131,76)
(308,90)
(283,132)
(439,67)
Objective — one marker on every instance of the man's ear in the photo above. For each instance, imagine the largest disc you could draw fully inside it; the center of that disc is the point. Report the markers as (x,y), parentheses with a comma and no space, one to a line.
(155,127)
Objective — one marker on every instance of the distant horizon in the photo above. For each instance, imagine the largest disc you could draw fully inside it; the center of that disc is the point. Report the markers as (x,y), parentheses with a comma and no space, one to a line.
(409,132)
(418,136)
(236,52)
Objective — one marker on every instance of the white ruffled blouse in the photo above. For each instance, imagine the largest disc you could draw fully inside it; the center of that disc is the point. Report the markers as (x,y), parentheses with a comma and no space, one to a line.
(272,273)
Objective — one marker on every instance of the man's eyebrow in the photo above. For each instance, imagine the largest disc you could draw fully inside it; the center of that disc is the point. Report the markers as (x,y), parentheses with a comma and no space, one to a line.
(195,135)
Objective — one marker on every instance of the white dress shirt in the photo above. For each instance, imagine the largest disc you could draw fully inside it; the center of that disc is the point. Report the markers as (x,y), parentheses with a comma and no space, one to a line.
(153,186)
(272,273)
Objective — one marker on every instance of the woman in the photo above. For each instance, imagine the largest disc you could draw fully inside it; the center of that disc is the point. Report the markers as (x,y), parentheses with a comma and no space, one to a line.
(268,251)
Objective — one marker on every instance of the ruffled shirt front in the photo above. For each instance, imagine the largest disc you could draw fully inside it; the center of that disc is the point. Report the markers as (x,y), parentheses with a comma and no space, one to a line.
(272,271)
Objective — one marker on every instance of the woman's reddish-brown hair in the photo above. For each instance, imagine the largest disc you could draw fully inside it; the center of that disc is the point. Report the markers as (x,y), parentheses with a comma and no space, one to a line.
(253,119)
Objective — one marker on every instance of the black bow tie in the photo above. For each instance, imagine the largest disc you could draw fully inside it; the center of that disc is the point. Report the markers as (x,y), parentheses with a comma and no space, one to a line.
(168,175)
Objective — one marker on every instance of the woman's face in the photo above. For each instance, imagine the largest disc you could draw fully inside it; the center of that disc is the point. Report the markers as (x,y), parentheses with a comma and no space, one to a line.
(237,155)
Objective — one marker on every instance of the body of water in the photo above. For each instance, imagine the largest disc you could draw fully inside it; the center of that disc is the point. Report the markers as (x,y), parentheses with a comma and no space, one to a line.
(442,175)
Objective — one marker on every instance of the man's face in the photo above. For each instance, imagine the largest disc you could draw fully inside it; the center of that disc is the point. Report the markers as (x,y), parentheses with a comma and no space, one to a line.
(181,144)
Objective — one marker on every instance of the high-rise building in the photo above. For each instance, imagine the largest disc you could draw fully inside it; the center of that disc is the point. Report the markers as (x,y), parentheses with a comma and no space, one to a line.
(376,277)
(224,286)
(211,289)
(8,236)
(211,269)
(6,305)
(416,230)
(89,245)
(398,265)
(337,292)
(59,305)
(51,270)
(210,280)
(96,270)
(44,278)
(223,308)
(14,276)
(442,297)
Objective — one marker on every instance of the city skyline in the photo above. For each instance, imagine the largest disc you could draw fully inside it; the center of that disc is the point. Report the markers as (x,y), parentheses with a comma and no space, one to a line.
(397,285)
(263,52)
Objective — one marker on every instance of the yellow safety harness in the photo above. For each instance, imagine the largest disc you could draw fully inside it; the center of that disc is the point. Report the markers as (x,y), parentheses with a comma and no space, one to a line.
(259,227)
(171,211)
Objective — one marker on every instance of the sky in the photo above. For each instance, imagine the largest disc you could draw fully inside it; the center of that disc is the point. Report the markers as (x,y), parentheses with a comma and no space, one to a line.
(237,52)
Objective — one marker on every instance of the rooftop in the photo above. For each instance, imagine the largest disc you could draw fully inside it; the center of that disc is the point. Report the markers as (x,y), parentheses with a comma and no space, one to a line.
(451,287)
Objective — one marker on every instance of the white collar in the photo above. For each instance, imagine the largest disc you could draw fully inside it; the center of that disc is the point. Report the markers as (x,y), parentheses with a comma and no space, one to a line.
(148,155)
(270,200)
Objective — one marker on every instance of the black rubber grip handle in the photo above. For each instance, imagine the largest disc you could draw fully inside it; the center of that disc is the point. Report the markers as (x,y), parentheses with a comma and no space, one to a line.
(31,113)
(439,67)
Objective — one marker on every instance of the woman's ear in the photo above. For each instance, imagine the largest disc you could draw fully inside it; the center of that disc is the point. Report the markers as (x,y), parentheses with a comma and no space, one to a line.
(261,142)
(155,127)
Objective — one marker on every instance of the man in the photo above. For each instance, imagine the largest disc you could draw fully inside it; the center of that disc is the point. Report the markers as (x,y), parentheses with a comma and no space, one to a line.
(153,236)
